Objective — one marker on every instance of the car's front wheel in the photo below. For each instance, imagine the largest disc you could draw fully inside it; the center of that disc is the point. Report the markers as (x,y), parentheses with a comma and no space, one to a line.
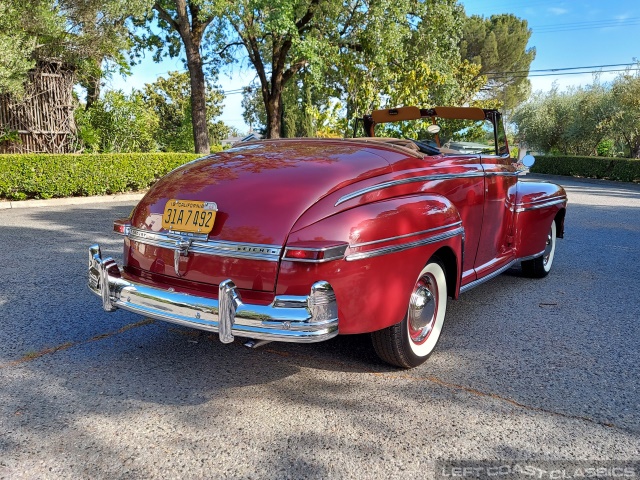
(410,342)
(541,266)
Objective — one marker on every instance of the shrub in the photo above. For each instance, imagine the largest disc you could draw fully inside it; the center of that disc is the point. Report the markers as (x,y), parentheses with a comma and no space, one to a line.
(118,123)
(24,176)
(622,169)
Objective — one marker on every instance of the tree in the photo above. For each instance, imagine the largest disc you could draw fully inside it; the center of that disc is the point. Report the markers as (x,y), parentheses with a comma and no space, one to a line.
(118,123)
(170,99)
(499,45)
(28,31)
(279,39)
(184,27)
(101,37)
(432,71)
(363,53)
(253,109)
(82,34)
(307,111)
(625,123)
(574,122)
(420,63)
(541,122)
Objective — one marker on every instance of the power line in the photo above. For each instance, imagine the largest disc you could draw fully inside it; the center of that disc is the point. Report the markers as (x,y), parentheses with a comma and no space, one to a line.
(567,73)
(564,69)
(580,73)
(591,22)
(563,27)
(224,92)
(507,4)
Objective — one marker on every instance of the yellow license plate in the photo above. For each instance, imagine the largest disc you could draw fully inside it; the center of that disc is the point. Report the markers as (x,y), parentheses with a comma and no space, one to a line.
(189,216)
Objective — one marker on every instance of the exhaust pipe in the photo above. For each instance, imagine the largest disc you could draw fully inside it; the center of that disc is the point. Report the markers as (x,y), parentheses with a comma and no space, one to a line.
(252,343)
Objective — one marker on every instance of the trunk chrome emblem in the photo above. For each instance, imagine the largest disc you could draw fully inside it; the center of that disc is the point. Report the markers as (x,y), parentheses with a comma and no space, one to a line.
(181,250)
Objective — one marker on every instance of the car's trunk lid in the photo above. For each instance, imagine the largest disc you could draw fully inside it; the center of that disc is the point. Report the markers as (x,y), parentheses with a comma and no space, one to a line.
(260,189)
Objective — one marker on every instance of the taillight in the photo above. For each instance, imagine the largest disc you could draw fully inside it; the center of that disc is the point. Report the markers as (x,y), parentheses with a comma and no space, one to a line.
(318,254)
(122,226)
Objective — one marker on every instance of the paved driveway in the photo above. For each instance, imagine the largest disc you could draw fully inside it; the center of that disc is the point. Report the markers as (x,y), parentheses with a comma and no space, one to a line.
(527,370)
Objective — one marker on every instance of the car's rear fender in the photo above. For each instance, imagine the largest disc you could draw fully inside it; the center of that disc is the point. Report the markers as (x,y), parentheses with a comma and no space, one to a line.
(389,242)
(537,204)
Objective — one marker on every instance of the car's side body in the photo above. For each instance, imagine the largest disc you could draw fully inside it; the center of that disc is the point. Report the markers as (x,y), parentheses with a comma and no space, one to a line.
(315,237)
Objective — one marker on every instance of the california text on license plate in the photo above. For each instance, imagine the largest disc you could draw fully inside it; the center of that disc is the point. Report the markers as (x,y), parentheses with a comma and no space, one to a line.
(189,216)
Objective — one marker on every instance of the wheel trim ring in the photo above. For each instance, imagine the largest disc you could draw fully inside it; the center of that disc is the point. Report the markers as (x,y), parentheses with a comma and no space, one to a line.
(549,249)
(419,329)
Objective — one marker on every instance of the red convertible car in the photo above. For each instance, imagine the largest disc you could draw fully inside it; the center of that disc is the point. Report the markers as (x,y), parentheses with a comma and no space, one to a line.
(299,240)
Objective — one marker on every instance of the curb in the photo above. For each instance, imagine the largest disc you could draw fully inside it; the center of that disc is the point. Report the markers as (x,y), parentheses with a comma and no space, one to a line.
(55,202)
(589,181)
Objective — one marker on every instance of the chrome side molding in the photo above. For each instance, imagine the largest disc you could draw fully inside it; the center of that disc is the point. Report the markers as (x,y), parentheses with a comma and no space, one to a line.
(486,278)
(541,204)
(404,181)
(405,246)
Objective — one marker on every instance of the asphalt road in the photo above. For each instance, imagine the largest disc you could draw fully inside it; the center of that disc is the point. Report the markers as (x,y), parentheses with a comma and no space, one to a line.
(526,370)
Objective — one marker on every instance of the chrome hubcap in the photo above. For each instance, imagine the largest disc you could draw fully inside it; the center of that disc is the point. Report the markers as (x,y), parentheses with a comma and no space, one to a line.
(422,309)
(547,248)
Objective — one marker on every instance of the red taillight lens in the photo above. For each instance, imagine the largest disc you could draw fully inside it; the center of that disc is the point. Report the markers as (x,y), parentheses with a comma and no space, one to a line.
(299,254)
(122,226)
(315,254)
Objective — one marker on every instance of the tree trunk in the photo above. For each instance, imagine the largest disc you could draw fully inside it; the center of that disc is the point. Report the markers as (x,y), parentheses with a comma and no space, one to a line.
(274,114)
(191,27)
(93,82)
(93,91)
(198,104)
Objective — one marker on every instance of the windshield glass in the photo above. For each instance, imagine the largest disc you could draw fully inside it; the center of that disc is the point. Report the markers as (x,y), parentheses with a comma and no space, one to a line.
(454,136)
(434,135)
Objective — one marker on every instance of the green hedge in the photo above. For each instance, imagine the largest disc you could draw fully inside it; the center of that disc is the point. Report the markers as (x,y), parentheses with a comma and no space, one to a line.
(622,169)
(24,176)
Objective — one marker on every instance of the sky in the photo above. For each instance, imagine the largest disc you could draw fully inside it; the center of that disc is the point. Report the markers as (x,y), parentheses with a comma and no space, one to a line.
(565,34)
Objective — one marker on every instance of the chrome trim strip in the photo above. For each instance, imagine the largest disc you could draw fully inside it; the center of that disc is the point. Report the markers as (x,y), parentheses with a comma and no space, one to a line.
(199,244)
(289,318)
(545,203)
(486,278)
(531,257)
(501,174)
(543,200)
(404,246)
(403,181)
(389,239)
(489,264)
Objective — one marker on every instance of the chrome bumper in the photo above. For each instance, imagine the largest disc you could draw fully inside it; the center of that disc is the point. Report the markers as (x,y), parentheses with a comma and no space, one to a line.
(288,318)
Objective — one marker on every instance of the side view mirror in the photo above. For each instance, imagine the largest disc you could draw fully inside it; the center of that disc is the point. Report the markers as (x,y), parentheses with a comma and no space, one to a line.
(528,161)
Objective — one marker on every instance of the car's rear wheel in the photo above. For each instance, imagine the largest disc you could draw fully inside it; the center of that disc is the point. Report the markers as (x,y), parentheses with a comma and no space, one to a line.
(410,342)
(541,266)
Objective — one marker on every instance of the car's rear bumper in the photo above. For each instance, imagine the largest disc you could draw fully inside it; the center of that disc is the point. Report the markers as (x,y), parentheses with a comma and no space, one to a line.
(288,318)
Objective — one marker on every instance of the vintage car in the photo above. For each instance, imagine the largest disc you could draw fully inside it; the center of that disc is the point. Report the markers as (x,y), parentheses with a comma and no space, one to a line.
(299,240)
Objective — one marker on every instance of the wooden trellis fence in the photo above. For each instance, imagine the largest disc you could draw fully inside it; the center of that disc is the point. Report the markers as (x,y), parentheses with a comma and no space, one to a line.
(41,121)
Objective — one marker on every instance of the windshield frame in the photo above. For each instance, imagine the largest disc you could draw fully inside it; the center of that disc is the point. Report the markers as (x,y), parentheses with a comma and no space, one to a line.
(493,117)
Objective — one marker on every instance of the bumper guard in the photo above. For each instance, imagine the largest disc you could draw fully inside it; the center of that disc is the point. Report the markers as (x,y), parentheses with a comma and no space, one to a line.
(289,318)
